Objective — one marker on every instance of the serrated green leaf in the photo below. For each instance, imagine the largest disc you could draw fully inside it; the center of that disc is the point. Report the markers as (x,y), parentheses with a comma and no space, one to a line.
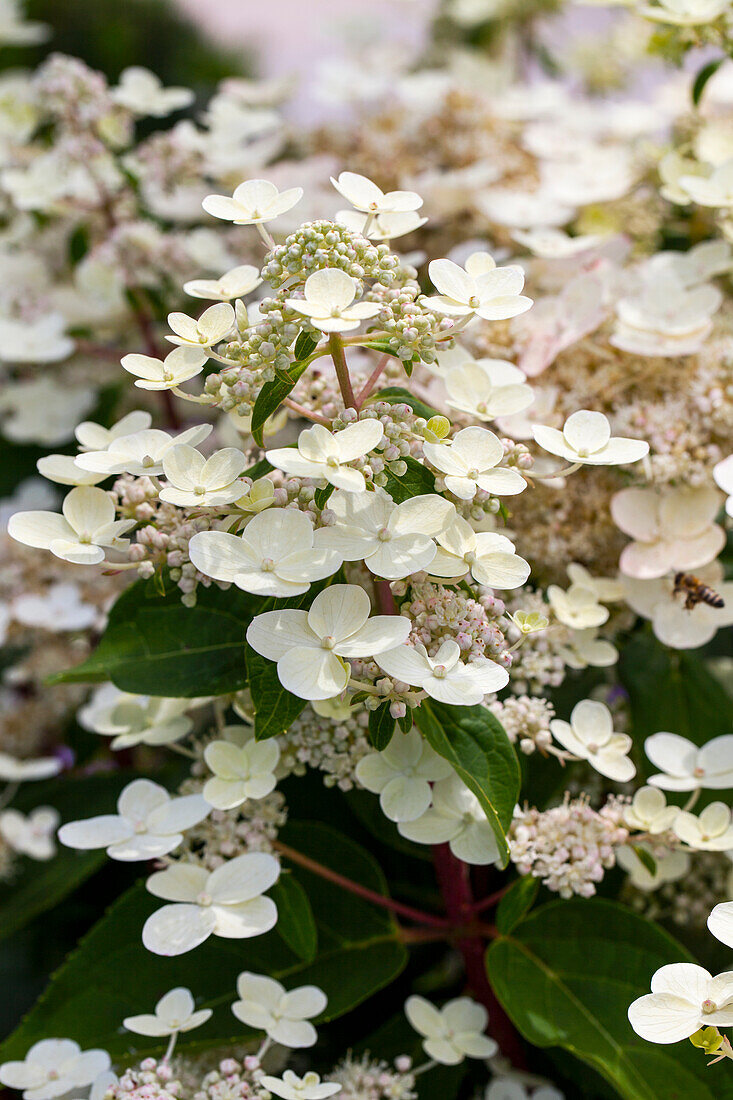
(381,727)
(474,742)
(416,481)
(295,921)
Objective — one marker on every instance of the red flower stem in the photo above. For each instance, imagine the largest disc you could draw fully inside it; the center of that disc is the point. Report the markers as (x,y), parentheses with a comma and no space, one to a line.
(491,899)
(336,348)
(372,381)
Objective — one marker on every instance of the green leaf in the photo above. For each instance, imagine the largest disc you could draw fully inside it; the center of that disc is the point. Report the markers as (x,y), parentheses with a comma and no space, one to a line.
(474,742)
(406,722)
(566,978)
(154,645)
(396,395)
(305,345)
(646,858)
(322,495)
(271,397)
(381,727)
(295,921)
(275,708)
(416,481)
(698,86)
(111,975)
(516,903)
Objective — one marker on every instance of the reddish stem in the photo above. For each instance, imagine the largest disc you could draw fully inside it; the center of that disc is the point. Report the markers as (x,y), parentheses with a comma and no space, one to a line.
(491,899)
(455,886)
(336,348)
(372,381)
(307,414)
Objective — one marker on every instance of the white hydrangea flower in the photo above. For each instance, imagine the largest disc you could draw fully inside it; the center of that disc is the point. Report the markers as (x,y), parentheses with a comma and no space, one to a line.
(380,227)
(401,775)
(453,1032)
(673,529)
(589,734)
(364,195)
(59,608)
(64,471)
(586,439)
(556,244)
(283,1015)
(205,482)
(174,1012)
(510,1088)
(292,1087)
(393,540)
(457,819)
(488,388)
(667,318)
(31,835)
(605,589)
(723,474)
(42,340)
(148,824)
(324,454)
(720,922)
(233,284)
(715,190)
(54,1067)
(135,719)
(329,301)
(471,462)
(583,649)
(165,374)
(141,92)
(670,866)
(649,811)
(95,437)
(43,410)
(212,326)
(14,770)
(685,767)
(684,13)
(278,554)
(81,535)
(253,203)
(444,677)
(488,556)
(240,772)
(519,209)
(141,453)
(481,289)
(310,646)
(228,902)
(683,999)
(576,607)
(710,832)
(674,624)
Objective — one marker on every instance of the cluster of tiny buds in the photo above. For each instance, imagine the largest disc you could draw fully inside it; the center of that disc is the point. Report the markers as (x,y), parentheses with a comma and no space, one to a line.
(477,623)
(517,454)
(402,438)
(413,327)
(526,720)
(320,244)
(151,1080)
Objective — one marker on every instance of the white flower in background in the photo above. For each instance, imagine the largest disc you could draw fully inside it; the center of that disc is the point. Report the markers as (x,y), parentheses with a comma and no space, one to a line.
(329,301)
(324,454)
(666,318)
(42,410)
(205,482)
(520,425)
(556,244)
(52,1068)
(282,1014)
(17,31)
(148,824)
(31,835)
(672,530)
(488,388)
(586,439)
(275,555)
(59,608)
(453,1032)
(488,556)
(401,775)
(457,819)
(228,902)
(444,677)
(669,866)
(141,453)
(720,922)
(605,589)
(524,209)
(211,327)
(683,999)
(14,770)
(364,195)
(240,772)
(701,263)
(481,289)
(576,607)
(471,462)
(95,437)
(81,535)
(292,1087)
(717,189)
(710,832)
(723,474)
(135,719)
(253,202)
(510,1088)
(558,321)
(380,227)
(393,540)
(649,812)
(164,374)
(141,92)
(685,767)
(234,284)
(174,1012)
(583,649)
(684,13)
(589,734)
(673,623)
(43,340)
(310,646)
(64,471)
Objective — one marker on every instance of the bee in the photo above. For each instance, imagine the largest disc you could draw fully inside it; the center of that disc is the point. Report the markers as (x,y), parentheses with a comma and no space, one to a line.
(695,591)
